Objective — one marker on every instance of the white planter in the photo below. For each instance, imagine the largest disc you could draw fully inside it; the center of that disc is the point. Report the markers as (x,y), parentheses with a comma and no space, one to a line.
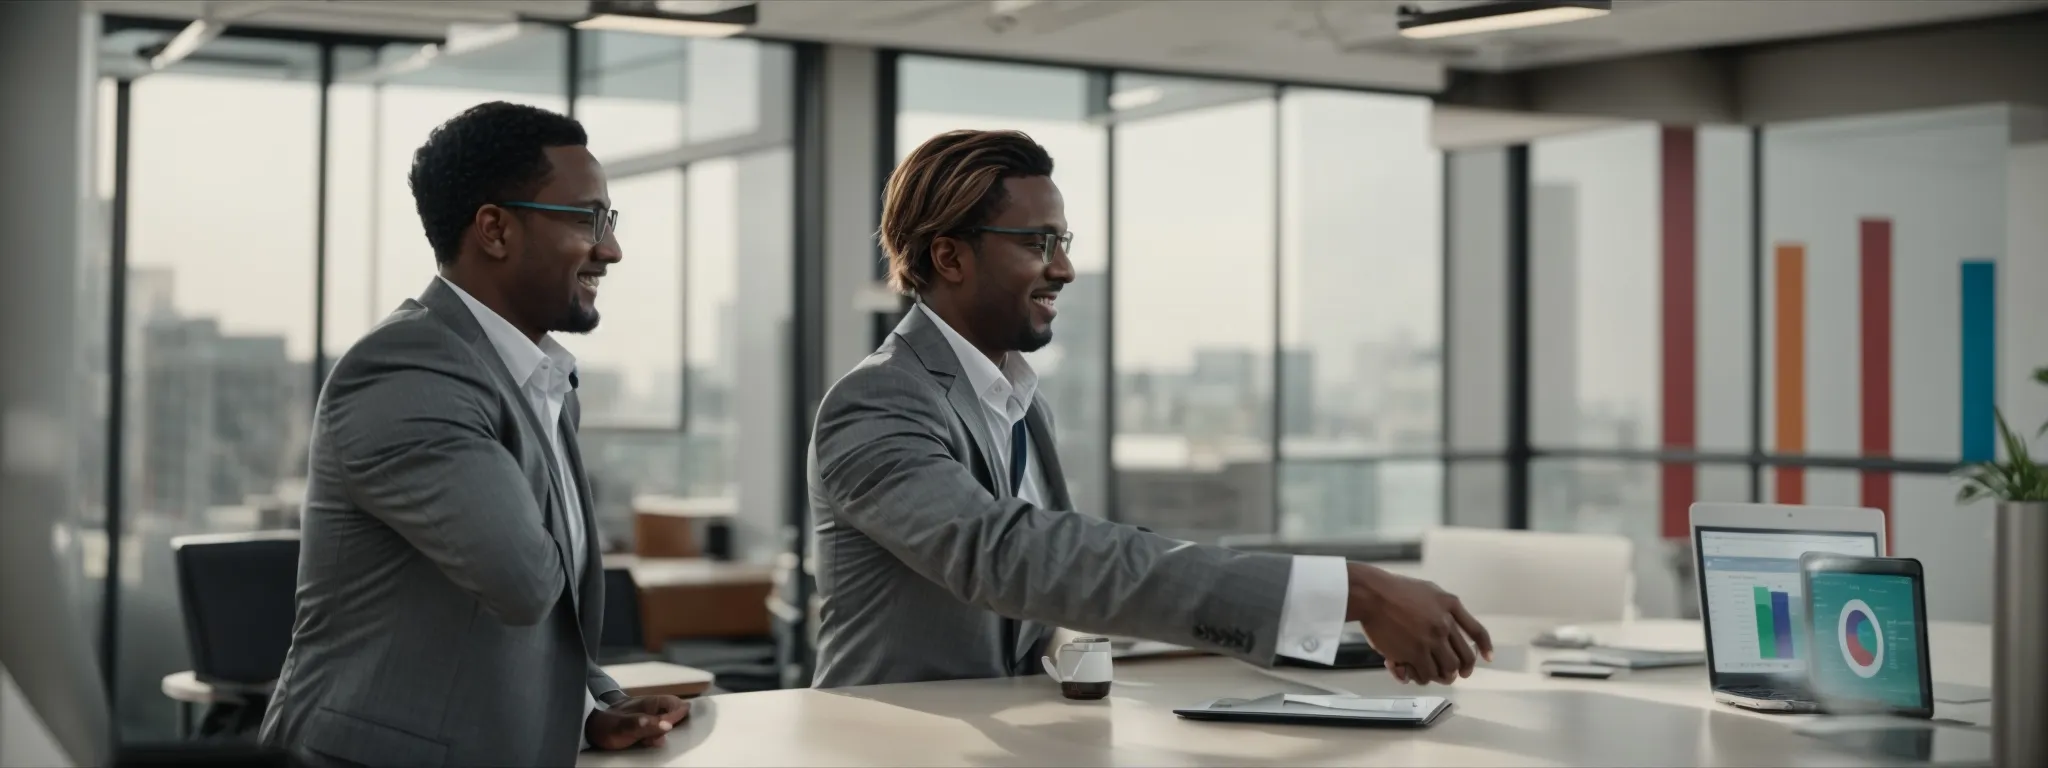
(2020,636)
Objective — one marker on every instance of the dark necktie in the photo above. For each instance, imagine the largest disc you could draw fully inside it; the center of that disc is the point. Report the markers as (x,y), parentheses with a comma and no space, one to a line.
(1017,458)
(1017,461)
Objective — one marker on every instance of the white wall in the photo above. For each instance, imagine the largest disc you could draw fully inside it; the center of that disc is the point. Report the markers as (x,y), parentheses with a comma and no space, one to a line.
(2023,287)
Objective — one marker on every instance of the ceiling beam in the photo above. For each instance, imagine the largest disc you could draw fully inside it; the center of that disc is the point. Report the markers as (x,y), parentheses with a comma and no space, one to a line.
(1992,61)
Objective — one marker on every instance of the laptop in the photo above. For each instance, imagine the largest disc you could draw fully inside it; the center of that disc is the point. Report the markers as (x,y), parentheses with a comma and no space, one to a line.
(1746,557)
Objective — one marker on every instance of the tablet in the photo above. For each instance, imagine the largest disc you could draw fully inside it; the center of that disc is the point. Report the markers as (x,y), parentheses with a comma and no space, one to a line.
(1866,623)
(1324,709)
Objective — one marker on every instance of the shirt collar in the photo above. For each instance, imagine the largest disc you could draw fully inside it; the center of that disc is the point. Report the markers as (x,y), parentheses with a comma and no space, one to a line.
(523,357)
(1008,389)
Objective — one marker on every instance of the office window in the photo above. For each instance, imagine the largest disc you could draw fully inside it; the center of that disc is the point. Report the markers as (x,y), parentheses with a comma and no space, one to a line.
(1322,496)
(1593,241)
(695,137)
(642,95)
(1476,289)
(1361,321)
(630,367)
(1885,243)
(633,92)
(1639,289)
(1194,303)
(382,106)
(741,260)
(221,228)
(1052,105)
(1621,498)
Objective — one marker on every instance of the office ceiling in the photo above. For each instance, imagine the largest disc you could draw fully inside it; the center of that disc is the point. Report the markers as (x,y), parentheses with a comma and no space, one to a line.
(1338,42)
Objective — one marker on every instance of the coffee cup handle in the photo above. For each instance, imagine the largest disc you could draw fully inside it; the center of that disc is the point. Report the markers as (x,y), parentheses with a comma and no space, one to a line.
(1051,670)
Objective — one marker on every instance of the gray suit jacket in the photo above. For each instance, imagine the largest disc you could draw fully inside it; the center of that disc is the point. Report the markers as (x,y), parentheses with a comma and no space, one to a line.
(922,549)
(437,624)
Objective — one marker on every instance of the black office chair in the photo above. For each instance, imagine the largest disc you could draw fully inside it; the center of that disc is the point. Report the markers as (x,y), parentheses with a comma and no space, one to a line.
(620,639)
(236,591)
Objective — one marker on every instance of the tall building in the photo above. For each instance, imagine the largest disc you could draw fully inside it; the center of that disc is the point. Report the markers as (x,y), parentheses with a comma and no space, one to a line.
(217,415)
(1554,408)
(1077,384)
(1298,414)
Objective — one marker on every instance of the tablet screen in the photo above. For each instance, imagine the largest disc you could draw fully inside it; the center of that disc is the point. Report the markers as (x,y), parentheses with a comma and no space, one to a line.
(1866,637)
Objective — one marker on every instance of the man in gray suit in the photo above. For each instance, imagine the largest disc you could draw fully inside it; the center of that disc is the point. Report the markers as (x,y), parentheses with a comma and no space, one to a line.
(450,584)
(945,540)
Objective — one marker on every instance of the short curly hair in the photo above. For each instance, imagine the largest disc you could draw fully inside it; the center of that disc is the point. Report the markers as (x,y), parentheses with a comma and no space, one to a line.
(488,154)
(951,184)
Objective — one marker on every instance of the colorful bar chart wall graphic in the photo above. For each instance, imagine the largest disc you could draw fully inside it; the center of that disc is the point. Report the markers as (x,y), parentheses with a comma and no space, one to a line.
(1678,148)
(1980,360)
(1774,625)
(1788,387)
(1874,240)
(1875,264)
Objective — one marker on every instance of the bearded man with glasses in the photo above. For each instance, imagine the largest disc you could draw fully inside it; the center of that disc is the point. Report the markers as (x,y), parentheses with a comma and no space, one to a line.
(450,583)
(947,544)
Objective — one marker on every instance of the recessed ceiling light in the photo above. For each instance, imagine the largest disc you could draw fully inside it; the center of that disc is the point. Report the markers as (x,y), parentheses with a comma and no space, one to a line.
(1496,17)
(647,17)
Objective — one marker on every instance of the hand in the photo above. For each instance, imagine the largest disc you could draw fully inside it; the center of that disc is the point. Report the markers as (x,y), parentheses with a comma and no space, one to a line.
(641,721)
(1420,628)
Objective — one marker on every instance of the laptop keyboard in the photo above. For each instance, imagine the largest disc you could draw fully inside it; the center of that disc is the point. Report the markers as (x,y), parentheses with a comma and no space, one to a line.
(1768,694)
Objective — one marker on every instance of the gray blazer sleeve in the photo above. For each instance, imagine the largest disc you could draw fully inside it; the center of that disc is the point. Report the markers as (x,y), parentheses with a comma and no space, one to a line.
(882,461)
(418,452)
(603,687)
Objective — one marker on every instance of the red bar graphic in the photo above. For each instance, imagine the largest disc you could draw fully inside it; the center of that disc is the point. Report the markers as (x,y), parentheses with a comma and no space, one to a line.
(1680,156)
(1874,237)
(1789,360)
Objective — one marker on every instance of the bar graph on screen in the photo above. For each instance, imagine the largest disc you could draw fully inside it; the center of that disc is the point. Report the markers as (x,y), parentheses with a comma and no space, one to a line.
(1774,635)
(1743,587)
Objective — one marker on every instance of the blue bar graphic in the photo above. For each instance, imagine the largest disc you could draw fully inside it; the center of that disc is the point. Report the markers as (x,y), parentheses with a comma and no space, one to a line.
(1781,620)
(1980,360)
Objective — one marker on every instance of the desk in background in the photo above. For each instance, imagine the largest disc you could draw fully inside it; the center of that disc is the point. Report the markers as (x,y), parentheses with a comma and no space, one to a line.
(1505,715)
(684,598)
(675,526)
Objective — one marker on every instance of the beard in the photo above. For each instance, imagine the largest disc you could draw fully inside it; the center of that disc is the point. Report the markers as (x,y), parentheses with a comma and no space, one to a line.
(576,318)
(1032,339)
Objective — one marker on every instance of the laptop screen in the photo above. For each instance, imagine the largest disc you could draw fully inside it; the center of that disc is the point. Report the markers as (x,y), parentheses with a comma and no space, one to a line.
(1755,612)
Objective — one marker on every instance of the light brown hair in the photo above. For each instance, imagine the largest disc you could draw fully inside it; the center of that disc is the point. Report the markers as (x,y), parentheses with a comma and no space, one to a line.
(950,185)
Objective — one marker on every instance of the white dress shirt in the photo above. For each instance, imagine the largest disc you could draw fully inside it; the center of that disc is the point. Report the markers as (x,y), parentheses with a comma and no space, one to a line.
(542,370)
(1312,615)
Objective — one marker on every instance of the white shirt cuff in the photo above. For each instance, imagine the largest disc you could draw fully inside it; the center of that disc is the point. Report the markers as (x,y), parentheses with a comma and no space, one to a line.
(1312,618)
(589,706)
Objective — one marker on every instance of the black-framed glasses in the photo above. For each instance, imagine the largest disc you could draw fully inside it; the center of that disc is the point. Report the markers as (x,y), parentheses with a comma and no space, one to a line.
(1045,239)
(602,220)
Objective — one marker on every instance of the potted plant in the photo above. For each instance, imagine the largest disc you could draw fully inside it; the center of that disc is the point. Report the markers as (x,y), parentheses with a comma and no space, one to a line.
(2020,581)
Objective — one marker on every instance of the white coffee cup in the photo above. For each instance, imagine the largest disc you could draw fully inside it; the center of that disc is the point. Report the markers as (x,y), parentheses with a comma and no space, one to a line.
(1083,669)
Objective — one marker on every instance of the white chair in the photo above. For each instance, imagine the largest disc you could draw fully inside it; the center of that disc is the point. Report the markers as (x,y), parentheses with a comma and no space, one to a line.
(1569,577)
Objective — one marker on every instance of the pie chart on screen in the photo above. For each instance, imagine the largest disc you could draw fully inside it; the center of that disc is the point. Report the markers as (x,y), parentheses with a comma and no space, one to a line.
(1862,643)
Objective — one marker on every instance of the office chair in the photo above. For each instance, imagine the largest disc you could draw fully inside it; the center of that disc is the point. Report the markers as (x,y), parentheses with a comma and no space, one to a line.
(1574,577)
(236,592)
(620,641)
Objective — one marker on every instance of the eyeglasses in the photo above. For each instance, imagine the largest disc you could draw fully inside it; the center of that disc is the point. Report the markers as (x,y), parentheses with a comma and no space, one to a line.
(602,220)
(1045,239)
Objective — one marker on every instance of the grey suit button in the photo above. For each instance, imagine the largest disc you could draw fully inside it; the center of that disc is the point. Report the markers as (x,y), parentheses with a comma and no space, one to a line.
(1311,645)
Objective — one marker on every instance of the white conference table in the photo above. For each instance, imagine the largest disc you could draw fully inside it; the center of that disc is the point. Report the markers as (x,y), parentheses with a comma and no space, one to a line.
(1506,714)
